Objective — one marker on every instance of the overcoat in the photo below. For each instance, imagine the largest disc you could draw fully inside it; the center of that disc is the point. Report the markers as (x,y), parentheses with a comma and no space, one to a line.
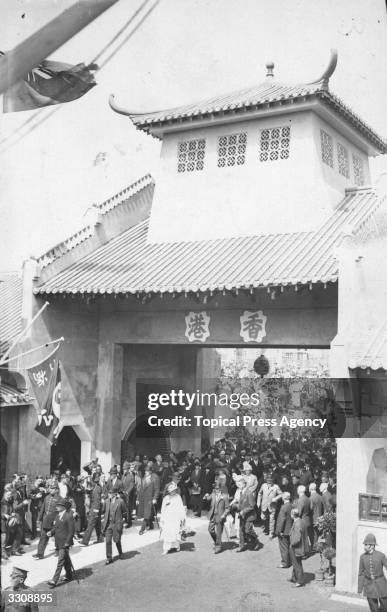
(148,490)
(63,529)
(117,509)
(284,519)
(219,507)
(299,538)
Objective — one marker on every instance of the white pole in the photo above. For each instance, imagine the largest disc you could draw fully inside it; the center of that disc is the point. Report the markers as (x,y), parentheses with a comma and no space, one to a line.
(58,340)
(3,359)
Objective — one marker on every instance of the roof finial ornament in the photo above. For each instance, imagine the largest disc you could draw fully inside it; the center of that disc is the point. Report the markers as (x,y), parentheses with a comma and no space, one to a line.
(329,70)
(270,69)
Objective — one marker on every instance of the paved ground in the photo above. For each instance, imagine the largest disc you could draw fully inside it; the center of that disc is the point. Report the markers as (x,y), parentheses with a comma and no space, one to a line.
(193,580)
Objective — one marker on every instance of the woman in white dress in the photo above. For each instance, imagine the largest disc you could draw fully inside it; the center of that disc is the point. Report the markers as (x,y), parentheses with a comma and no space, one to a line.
(171,519)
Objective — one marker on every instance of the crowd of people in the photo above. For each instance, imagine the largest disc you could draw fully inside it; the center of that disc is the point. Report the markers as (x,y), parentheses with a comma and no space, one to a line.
(281,485)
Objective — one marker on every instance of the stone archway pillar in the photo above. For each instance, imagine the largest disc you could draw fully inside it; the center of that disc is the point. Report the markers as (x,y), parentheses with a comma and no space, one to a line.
(109,390)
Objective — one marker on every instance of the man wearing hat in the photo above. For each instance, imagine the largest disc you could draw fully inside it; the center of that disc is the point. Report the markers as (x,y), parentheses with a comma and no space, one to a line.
(195,488)
(18,577)
(113,522)
(63,530)
(128,487)
(247,516)
(114,479)
(147,492)
(94,516)
(46,518)
(268,496)
(219,509)
(372,582)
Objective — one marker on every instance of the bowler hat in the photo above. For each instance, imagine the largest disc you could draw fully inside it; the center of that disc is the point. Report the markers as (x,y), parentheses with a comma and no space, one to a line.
(113,470)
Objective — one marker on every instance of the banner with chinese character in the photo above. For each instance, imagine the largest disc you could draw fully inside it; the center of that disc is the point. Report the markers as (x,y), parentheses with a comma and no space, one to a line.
(46,383)
(197,326)
(253,326)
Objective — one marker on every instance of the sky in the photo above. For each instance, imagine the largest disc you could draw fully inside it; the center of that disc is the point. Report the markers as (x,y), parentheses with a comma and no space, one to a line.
(186,50)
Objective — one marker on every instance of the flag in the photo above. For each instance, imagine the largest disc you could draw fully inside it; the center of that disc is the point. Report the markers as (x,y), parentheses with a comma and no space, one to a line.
(50,83)
(46,383)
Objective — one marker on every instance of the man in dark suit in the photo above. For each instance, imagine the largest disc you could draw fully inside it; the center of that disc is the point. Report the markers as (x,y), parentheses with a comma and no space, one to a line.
(317,510)
(219,509)
(298,548)
(147,494)
(113,522)
(283,527)
(247,516)
(114,479)
(372,581)
(128,489)
(303,507)
(63,530)
(94,516)
(195,488)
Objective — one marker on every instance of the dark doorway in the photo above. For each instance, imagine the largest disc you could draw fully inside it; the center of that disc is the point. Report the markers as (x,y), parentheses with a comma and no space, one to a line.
(145,440)
(66,453)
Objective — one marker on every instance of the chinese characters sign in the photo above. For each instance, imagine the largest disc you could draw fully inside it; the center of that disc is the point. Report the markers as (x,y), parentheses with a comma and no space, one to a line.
(197,326)
(253,326)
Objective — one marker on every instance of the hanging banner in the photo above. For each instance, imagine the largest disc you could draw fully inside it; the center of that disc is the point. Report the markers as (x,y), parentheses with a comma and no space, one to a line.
(46,383)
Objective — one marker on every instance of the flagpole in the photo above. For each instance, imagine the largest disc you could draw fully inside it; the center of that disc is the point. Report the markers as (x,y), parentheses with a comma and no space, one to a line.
(58,340)
(3,359)
(16,64)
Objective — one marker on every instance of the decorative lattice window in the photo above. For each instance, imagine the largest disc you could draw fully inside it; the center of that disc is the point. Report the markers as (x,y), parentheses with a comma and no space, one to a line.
(191,155)
(326,148)
(343,160)
(275,144)
(232,150)
(358,170)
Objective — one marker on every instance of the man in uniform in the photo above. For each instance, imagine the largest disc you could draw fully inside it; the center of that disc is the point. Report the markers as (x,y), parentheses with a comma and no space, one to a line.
(46,518)
(18,576)
(63,530)
(94,516)
(372,581)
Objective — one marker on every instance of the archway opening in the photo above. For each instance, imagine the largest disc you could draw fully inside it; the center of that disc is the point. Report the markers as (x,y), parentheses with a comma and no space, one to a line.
(66,453)
(142,439)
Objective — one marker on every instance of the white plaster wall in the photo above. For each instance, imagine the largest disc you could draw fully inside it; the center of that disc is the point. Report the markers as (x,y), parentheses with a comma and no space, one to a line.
(353,461)
(291,195)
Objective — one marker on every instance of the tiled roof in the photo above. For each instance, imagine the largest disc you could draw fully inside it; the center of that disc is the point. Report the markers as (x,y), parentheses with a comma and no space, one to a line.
(10,309)
(128,264)
(262,96)
(88,231)
(370,349)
